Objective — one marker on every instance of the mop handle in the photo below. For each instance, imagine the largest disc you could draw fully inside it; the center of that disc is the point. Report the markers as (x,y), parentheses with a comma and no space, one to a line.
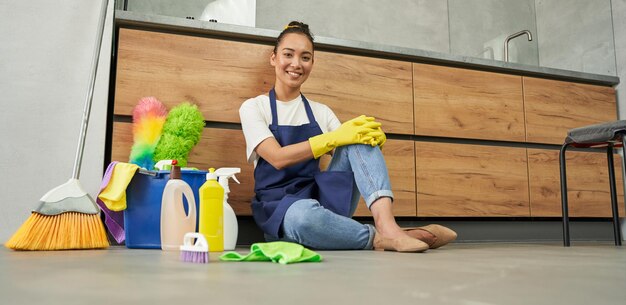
(92,81)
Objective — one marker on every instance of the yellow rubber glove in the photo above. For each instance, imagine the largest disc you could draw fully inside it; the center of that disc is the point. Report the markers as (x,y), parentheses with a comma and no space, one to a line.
(355,131)
(378,137)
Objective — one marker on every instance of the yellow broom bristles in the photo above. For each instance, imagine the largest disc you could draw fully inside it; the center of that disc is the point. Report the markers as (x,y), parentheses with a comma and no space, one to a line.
(65,231)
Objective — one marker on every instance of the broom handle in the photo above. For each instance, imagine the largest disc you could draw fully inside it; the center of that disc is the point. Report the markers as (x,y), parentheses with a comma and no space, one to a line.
(89,98)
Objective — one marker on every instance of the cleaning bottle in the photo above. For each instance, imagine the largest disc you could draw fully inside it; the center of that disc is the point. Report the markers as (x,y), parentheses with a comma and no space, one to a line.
(164,165)
(230,219)
(212,212)
(174,222)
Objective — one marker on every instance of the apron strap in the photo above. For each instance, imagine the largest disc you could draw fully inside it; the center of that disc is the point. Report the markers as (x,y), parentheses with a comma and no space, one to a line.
(274,112)
(309,111)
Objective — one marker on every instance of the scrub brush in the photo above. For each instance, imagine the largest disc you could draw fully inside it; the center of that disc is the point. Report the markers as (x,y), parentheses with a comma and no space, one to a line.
(194,253)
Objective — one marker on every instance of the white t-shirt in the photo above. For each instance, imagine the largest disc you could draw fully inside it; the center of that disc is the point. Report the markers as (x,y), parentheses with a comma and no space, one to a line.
(256,117)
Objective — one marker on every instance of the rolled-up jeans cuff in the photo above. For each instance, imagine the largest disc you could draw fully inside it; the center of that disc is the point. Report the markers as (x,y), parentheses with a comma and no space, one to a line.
(370,241)
(375,195)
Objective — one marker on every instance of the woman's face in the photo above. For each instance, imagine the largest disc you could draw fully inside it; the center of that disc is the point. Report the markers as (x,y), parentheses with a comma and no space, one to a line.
(293,60)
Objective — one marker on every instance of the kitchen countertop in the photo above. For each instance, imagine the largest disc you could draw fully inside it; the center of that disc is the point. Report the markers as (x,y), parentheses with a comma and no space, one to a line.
(129,19)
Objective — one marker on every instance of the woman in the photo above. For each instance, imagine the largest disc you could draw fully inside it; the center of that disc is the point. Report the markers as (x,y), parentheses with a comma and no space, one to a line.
(285,136)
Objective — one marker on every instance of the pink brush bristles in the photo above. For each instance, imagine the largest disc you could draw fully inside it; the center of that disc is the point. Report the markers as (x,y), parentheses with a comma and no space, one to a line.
(197,252)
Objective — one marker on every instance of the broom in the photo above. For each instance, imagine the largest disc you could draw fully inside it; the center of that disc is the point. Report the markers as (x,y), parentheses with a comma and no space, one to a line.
(67,217)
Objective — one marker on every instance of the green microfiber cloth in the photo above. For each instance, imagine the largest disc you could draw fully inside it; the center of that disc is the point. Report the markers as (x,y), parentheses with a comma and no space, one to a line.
(278,252)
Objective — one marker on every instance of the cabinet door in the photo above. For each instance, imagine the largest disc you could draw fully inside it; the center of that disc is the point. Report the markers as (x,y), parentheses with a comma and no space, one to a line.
(354,85)
(471,180)
(217,148)
(588,183)
(554,107)
(217,75)
(461,103)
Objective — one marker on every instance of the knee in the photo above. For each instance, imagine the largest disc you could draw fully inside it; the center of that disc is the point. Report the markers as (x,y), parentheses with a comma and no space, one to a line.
(304,215)
(361,148)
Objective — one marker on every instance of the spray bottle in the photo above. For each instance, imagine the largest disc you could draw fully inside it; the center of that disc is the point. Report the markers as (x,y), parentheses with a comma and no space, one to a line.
(212,212)
(230,220)
(174,222)
(164,165)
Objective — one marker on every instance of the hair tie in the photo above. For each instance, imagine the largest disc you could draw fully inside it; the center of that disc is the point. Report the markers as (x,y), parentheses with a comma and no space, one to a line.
(291,26)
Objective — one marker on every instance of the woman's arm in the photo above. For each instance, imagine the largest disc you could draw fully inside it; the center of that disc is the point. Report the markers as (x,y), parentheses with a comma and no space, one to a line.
(280,157)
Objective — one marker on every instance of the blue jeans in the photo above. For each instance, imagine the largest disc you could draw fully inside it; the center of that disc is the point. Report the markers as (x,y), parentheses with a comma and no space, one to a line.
(308,223)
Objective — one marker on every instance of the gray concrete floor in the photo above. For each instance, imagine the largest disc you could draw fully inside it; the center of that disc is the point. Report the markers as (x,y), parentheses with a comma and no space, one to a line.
(464,273)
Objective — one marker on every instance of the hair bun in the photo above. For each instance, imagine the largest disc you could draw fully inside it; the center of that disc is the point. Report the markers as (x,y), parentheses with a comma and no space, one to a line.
(294,27)
(297,24)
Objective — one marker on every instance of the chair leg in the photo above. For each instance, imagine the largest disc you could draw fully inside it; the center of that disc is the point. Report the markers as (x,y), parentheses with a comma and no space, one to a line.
(616,229)
(566,239)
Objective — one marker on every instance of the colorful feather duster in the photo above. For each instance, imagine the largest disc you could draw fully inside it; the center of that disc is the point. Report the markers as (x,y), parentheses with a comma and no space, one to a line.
(148,119)
(181,133)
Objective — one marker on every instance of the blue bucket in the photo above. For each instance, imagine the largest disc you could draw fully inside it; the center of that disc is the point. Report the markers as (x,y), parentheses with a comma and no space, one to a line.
(142,217)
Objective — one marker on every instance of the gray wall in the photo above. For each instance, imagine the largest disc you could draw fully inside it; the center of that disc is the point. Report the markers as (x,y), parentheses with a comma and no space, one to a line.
(192,8)
(478,28)
(576,35)
(420,24)
(44,70)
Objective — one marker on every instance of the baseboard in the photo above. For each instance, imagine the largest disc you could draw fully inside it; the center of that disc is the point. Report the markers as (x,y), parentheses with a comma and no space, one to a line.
(484,229)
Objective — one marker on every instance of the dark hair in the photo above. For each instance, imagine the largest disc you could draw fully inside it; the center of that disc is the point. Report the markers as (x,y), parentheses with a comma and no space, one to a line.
(295,27)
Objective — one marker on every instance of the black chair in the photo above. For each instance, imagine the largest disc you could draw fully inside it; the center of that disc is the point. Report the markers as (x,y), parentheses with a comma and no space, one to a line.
(611,135)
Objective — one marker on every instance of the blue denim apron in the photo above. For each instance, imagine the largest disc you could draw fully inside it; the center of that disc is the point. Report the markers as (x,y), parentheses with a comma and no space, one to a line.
(276,190)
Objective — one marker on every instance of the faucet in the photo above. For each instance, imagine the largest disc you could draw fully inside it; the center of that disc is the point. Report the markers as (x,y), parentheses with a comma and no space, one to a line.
(506,41)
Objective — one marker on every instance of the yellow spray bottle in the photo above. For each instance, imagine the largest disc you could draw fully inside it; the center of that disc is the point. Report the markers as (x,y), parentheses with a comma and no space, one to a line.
(212,212)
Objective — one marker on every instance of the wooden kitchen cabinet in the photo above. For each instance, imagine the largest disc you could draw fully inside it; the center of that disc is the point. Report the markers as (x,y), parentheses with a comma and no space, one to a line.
(217,75)
(554,107)
(587,183)
(354,85)
(471,180)
(462,103)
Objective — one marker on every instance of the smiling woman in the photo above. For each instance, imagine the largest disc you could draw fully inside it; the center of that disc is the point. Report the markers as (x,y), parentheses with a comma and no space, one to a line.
(286,134)
(292,59)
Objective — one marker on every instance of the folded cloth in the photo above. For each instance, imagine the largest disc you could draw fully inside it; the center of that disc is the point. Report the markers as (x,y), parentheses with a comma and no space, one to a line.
(281,252)
(114,221)
(114,194)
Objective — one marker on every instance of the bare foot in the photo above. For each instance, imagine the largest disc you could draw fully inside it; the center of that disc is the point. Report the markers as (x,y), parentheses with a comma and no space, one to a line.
(390,230)
(384,221)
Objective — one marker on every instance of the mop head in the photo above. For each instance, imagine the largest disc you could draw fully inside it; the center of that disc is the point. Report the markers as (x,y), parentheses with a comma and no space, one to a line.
(181,132)
(148,119)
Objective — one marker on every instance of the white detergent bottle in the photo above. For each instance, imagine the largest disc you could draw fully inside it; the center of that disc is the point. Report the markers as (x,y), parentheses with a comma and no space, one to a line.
(231,228)
(174,222)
